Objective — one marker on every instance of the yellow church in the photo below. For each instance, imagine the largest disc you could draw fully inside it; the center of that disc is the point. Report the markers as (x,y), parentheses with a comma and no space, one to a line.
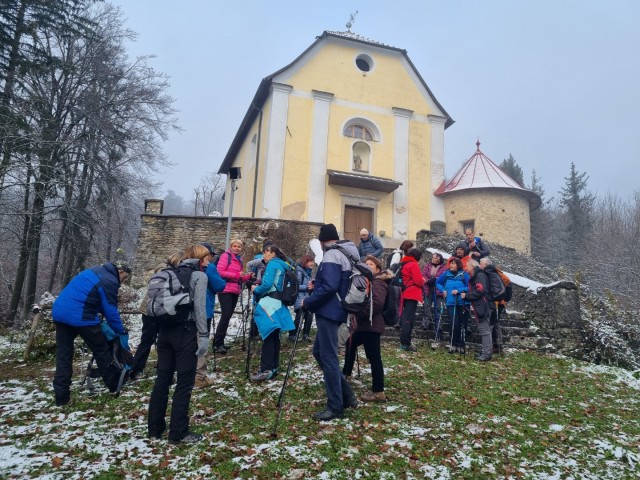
(349,133)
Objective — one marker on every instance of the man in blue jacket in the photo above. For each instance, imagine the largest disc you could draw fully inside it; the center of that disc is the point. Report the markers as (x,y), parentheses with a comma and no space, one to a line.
(75,312)
(369,245)
(332,280)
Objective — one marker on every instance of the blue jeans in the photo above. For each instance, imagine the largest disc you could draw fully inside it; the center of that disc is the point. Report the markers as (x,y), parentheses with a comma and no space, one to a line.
(325,351)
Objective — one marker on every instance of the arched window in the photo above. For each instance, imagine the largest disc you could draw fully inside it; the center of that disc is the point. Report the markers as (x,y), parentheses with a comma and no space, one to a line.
(358,131)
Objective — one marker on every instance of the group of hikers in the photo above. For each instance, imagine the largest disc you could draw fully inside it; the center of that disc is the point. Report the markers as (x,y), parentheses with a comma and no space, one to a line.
(178,315)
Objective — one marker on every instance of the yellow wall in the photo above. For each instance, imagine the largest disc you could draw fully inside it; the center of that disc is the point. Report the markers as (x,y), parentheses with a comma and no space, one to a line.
(330,67)
(500,216)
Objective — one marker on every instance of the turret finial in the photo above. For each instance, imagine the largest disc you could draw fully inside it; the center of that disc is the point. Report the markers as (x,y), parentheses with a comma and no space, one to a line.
(352,18)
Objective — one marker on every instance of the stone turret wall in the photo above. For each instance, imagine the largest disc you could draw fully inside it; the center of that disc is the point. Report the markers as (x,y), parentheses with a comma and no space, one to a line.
(499,216)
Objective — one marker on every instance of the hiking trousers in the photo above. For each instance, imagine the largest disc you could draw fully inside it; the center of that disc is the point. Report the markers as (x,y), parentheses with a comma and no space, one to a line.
(325,351)
(409,308)
(147,339)
(177,346)
(94,338)
(371,343)
(228,302)
(270,355)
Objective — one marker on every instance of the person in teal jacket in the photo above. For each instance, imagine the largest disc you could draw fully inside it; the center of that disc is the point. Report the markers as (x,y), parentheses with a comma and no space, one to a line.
(270,315)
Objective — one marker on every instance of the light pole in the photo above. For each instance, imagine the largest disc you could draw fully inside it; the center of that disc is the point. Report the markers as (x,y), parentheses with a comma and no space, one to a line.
(234,175)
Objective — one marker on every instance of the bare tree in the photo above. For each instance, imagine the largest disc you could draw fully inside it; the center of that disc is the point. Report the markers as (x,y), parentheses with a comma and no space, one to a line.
(209,195)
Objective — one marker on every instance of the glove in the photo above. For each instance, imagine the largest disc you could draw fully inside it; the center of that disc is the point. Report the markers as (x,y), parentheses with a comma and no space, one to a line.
(124,341)
(246,277)
(203,345)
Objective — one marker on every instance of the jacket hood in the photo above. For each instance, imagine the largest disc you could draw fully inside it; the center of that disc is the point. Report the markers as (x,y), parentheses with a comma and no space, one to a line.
(350,248)
(191,262)
(385,275)
(462,245)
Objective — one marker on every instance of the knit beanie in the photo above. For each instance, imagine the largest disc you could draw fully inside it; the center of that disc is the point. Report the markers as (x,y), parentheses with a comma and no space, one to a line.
(328,232)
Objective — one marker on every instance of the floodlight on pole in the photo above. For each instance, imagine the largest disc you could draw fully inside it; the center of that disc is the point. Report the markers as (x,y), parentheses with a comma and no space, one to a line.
(234,175)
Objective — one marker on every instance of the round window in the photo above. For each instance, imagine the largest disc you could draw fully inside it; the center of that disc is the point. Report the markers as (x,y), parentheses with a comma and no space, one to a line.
(364,63)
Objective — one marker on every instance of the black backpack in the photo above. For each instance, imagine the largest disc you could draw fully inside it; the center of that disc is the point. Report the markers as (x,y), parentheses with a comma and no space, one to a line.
(290,288)
(169,295)
(392,305)
(497,290)
(396,281)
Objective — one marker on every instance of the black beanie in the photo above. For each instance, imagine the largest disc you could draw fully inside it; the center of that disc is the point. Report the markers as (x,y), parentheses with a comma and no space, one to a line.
(328,232)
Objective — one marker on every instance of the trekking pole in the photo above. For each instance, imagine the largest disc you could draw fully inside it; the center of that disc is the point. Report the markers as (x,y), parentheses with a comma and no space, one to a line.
(213,329)
(247,367)
(241,328)
(284,383)
(357,362)
(453,324)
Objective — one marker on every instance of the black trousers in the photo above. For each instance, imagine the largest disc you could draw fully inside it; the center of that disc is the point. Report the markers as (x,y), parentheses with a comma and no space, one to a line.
(228,302)
(147,339)
(270,357)
(93,337)
(408,315)
(307,317)
(371,343)
(177,346)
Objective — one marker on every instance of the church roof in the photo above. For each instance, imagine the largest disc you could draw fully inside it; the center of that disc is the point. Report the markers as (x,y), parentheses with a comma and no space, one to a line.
(262,94)
(479,172)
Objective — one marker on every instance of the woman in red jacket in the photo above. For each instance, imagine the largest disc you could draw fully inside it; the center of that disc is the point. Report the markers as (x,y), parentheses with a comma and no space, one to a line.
(412,283)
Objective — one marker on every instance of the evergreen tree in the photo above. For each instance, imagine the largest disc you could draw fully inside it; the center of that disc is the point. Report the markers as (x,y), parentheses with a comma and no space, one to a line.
(577,204)
(511,168)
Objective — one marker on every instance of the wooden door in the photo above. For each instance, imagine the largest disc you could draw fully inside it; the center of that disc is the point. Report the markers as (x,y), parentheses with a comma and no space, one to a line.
(355,219)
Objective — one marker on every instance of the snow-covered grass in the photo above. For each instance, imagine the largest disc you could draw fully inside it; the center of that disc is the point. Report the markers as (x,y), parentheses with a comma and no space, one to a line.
(448,417)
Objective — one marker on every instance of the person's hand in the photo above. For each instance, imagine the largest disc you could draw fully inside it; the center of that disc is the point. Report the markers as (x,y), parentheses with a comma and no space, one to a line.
(475,254)
(444,294)
(463,294)
(253,287)
(203,345)
(246,277)
(124,341)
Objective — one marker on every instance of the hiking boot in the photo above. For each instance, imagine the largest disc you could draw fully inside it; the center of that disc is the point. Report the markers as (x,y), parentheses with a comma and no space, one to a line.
(63,402)
(375,397)
(188,438)
(452,349)
(497,349)
(262,376)
(482,358)
(305,338)
(434,345)
(221,349)
(351,401)
(326,415)
(292,339)
(205,381)
(408,348)
(156,437)
(462,350)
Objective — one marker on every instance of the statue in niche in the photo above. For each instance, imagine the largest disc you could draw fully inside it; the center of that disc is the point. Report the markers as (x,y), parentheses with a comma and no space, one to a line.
(357,162)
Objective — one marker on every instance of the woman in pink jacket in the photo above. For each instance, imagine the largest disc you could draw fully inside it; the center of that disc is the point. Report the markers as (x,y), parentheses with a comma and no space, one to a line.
(229,268)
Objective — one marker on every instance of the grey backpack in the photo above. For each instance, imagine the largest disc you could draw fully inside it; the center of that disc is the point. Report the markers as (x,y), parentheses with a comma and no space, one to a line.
(169,295)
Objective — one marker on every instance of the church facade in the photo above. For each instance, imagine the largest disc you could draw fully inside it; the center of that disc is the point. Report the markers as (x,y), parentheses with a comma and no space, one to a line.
(349,133)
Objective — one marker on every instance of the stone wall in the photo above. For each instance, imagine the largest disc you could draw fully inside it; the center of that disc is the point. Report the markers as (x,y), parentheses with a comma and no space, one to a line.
(499,216)
(162,235)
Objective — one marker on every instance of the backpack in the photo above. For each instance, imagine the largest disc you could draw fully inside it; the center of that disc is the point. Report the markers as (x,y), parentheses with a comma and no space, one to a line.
(497,290)
(392,305)
(396,281)
(358,297)
(290,286)
(169,295)
(393,268)
(215,262)
(508,289)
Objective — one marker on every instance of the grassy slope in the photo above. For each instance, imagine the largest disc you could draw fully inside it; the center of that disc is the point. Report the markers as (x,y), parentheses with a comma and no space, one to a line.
(522,416)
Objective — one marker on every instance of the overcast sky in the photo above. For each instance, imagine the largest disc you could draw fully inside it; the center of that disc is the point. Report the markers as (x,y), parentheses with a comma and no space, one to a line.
(548,81)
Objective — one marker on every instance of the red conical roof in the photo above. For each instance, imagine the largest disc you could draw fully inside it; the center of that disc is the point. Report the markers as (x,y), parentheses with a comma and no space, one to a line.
(479,172)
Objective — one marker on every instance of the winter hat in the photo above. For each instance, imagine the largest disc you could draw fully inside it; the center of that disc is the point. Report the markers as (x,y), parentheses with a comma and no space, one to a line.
(364,231)
(328,232)
(209,247)
(464,246)
(122,265)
